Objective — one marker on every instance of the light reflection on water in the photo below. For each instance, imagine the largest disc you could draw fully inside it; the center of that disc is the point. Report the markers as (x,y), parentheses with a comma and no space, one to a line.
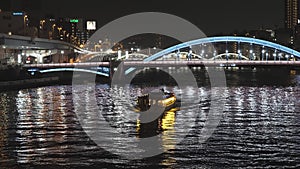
(260,127)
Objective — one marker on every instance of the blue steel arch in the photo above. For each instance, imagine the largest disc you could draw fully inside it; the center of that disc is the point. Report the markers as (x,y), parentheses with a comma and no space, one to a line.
(73,69)
(224,39)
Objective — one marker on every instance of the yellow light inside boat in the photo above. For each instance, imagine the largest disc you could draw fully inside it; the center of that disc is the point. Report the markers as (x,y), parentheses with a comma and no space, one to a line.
(169,101)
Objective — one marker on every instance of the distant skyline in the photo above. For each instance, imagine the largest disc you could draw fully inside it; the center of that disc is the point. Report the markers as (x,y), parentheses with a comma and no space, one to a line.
(212,17)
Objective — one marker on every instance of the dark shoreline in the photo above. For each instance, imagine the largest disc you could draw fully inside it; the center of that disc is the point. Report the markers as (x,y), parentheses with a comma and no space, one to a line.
(16,79)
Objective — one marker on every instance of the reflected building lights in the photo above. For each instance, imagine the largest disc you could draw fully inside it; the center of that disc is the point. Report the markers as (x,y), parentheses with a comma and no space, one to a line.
(24,127)
(36,125)
(3,126)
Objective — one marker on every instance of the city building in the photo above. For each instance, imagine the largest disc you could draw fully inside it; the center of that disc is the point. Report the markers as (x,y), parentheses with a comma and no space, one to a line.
(13,22)
(291,13)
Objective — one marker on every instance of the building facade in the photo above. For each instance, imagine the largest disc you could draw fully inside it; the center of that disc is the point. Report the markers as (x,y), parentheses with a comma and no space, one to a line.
(291,13)
(13,22)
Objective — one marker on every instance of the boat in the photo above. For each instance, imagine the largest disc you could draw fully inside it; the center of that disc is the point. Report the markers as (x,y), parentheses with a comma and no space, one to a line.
(164,99)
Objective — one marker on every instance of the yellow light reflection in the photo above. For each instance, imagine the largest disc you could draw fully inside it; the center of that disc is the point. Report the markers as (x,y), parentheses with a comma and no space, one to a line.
(138,126)
(168,121)
(165,124)
(168,135)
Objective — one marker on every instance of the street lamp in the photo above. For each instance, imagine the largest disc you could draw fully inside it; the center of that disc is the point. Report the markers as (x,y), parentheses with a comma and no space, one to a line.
(287,57)
(62,53)
(214,54)
(292,57)
(274,56)
(64,34)
(42,24)
(59,29)
(53,30)
(263,53)
(59,32)
(251,54)
(227,54)
(25,23)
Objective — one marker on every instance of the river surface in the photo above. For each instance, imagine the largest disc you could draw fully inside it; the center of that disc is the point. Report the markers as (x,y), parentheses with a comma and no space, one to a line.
(258,126)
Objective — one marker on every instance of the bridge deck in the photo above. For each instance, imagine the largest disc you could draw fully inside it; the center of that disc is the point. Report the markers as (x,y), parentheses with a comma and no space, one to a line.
(171,63)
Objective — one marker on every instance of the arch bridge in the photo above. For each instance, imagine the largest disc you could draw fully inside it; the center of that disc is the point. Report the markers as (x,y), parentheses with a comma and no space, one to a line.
(244,47)
(215,51)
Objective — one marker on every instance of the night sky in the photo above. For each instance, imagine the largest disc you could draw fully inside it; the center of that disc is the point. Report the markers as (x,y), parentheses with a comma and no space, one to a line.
(211,16)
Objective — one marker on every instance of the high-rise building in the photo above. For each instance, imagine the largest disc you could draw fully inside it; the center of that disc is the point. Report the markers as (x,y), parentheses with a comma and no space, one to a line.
(291,13)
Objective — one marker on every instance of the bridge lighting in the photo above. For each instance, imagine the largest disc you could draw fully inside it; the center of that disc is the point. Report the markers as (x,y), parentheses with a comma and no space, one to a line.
(280,56)
(287,57)
(19,59)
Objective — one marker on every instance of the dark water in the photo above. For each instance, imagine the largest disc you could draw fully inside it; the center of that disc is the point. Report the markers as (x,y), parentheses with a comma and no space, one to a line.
(259,126)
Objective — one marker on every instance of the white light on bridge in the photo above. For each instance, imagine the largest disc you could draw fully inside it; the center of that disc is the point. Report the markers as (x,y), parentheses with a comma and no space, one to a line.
(19,58)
